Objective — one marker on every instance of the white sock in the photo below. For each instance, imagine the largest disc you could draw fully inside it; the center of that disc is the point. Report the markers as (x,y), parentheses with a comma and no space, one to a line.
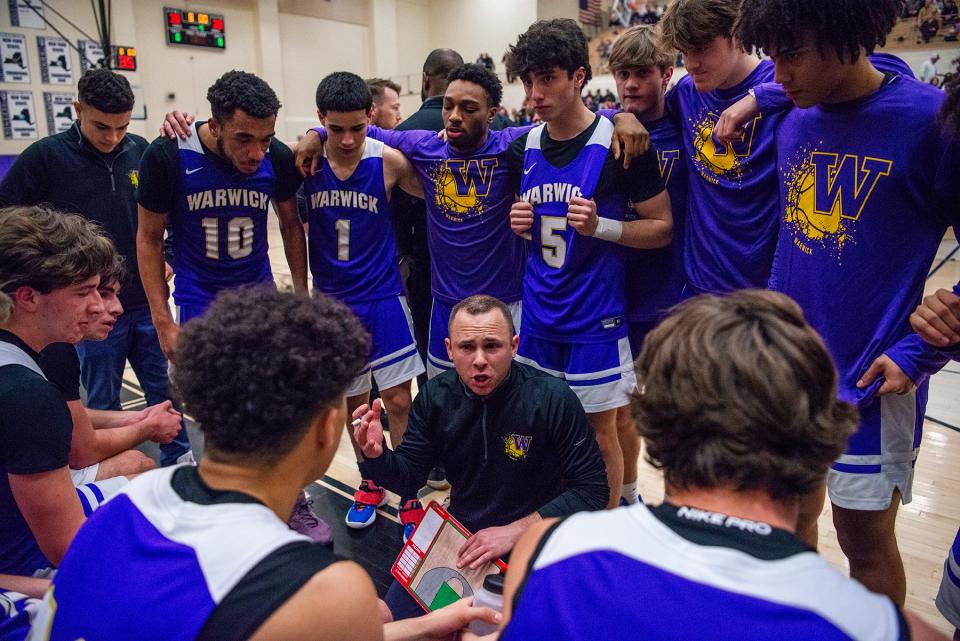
(629,493)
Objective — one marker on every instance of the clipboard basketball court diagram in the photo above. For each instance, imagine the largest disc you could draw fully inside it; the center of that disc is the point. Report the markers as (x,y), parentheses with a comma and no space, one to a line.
(427,563)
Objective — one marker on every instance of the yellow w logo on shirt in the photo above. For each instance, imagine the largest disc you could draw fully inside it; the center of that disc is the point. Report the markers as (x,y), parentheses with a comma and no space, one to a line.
(462,185)
(668,158)
(827,191)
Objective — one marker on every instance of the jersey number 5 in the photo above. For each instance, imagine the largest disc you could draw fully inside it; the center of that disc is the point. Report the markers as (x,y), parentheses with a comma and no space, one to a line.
(239,237)
(553,246)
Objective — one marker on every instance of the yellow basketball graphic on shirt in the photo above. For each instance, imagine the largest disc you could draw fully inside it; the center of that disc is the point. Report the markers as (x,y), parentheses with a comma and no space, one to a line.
(801,205)
(827,193)
(450,199)
(461,186)
(719,158)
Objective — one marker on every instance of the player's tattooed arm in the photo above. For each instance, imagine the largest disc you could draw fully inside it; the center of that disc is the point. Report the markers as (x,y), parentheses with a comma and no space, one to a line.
(400,173)
(150,259)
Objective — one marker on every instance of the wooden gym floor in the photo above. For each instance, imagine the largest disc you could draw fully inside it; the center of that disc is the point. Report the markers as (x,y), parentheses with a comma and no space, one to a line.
(925,527)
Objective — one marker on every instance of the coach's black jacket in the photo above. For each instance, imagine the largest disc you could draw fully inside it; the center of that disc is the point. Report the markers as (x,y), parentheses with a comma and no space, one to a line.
(527,447)
(66,172)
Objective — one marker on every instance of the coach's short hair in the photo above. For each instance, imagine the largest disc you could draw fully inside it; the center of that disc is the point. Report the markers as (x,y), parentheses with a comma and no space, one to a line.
(260,365)
(105,91)
(689,24)
(639,46)
(738,391)
(377,88)
(48,250)
(245,91)
(343,92)
(481,304)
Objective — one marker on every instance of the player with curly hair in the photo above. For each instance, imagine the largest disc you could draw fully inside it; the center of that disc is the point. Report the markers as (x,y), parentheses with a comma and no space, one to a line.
(860,220)
(202,552)
(579,208)
(738,407)
(214,190)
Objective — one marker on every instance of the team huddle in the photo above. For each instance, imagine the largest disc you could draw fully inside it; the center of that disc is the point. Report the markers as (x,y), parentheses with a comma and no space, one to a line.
(729,269)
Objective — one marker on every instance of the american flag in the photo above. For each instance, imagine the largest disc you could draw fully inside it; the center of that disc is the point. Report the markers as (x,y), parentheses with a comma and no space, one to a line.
(590,13)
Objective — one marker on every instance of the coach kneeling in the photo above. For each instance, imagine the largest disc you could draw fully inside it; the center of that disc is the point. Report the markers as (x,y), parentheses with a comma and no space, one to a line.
(515,442)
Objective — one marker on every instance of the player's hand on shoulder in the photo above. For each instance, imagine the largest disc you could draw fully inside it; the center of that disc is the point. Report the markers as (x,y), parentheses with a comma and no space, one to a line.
(937,319)
(895,381)
(309,151)
(177,124)
(734,119)
(521,218)
(630,138)
(582,215)
(368,432)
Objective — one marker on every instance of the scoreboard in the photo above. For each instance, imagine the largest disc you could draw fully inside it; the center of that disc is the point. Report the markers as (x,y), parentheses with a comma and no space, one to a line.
(186,27)
(125,58)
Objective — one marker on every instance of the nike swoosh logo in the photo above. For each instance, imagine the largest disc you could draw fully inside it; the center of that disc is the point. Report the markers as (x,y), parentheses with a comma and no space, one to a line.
(577,444)
(529,169)
(193,171)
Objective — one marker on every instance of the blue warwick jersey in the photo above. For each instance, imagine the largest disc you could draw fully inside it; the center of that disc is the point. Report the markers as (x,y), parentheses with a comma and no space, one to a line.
(219,225)
(353,255)
(655,277)
(732,210)
(15,612)
(861,217)
(698,575)
(171,559)
(573,284)
(472,249)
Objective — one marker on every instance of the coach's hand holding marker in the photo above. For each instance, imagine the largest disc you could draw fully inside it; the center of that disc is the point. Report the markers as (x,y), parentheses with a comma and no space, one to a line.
(368,430)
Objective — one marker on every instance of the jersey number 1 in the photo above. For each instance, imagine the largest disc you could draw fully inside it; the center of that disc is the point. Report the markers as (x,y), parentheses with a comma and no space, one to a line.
(343,239)
(239,237)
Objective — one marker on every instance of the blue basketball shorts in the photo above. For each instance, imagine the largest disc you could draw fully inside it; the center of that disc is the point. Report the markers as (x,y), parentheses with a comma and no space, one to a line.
(393,355)
(600,373)
(881,454)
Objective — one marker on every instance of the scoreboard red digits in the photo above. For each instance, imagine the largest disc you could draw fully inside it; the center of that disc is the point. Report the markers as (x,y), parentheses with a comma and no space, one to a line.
(125,58)
(196,28)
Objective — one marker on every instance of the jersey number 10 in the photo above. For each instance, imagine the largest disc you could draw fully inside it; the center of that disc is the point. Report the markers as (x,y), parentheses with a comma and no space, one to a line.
(239,237)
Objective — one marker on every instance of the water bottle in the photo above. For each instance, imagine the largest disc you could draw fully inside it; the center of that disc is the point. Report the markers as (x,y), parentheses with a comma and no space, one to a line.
(489,596)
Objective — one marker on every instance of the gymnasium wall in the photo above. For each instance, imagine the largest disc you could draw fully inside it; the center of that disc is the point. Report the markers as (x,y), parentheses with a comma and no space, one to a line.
(290,43)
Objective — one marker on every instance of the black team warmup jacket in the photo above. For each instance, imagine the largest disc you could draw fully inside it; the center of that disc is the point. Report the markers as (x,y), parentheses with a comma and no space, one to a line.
(527,447)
